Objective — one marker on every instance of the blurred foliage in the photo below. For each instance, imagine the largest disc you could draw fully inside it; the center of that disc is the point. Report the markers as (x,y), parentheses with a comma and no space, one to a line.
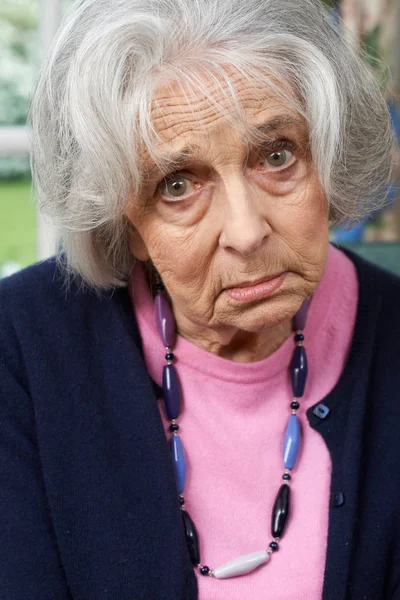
(20,14)
(13,105)
(18,61)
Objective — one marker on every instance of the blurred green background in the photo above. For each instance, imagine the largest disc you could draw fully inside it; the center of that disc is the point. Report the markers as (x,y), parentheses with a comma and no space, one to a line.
(18,223)
(373,25)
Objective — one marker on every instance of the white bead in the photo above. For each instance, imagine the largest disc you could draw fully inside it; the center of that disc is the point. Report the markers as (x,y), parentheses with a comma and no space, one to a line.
(241,565)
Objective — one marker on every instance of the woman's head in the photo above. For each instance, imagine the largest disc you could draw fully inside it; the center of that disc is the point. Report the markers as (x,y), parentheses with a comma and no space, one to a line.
(129,82)
(233,210)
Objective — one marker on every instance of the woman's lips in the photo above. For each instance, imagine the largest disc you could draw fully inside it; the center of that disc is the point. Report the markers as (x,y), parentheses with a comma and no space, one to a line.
(258,291)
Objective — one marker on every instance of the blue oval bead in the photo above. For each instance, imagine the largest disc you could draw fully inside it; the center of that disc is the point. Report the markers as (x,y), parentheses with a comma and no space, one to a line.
(298,371)
(172,393)
(291,443)
(179,460)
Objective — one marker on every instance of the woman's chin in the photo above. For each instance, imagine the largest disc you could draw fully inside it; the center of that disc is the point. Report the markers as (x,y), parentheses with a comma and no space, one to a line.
(266,313)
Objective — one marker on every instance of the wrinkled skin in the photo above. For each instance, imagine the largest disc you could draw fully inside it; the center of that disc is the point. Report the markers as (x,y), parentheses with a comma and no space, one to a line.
(233,215)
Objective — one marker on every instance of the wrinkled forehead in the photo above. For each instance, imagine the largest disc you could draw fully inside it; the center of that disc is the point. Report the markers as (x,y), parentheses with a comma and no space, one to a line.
(184,117)
(179,109)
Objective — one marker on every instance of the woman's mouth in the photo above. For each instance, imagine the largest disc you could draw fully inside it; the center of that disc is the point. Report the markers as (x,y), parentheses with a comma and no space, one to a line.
(250,291)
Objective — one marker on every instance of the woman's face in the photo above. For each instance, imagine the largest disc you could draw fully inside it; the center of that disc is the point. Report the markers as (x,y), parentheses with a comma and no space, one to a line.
(233,215)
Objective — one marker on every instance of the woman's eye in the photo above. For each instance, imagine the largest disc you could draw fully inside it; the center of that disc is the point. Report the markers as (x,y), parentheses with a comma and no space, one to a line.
(175,187)
(279,158)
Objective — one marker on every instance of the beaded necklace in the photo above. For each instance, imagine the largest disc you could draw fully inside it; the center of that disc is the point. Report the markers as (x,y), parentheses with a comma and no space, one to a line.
(172,398)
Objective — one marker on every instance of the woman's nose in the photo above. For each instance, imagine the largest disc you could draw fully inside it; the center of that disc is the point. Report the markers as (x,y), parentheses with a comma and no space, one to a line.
(245,227)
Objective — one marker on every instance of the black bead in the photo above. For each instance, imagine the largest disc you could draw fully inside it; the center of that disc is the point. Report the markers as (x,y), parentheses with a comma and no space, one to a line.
(286,477)
(169,356)
(192,538)
(280,511)
(174,427)
(299,337)
(295,405)
(274,546)
(159,287)
(205,570)
(181,500)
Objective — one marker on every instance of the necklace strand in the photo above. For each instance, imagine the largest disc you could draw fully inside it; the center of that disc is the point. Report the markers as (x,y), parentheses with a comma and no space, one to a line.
(291,443)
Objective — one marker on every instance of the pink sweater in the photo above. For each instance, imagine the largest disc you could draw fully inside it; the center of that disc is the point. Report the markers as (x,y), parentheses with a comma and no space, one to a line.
(232,425)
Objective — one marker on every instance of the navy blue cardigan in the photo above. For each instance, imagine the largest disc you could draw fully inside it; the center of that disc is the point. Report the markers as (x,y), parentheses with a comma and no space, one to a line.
(88,502)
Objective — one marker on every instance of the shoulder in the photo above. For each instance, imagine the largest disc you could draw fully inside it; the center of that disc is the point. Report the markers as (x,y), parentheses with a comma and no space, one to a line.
(25,297)
(40,309)
(375,348)
(38,288)
(35,311)
(378,289)
(43,271)
(46,293)
(375,343)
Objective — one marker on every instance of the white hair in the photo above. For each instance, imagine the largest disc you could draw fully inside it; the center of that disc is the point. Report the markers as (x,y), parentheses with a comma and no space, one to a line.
(91,109)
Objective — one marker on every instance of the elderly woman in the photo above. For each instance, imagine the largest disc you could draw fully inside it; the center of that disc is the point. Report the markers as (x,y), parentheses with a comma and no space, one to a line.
(199,393)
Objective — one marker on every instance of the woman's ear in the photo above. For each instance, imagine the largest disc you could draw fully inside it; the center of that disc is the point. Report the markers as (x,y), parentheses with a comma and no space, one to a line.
(137,245)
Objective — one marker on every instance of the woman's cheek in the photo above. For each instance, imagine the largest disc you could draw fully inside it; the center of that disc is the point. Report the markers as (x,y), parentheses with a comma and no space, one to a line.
(176,251)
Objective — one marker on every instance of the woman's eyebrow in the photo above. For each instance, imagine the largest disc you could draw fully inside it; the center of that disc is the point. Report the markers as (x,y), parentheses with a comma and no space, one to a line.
(263,131)
(279,123)
(176,160)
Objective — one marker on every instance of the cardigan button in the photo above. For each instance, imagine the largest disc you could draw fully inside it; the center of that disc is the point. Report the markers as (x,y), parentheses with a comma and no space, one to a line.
(338,499)
(321,411)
